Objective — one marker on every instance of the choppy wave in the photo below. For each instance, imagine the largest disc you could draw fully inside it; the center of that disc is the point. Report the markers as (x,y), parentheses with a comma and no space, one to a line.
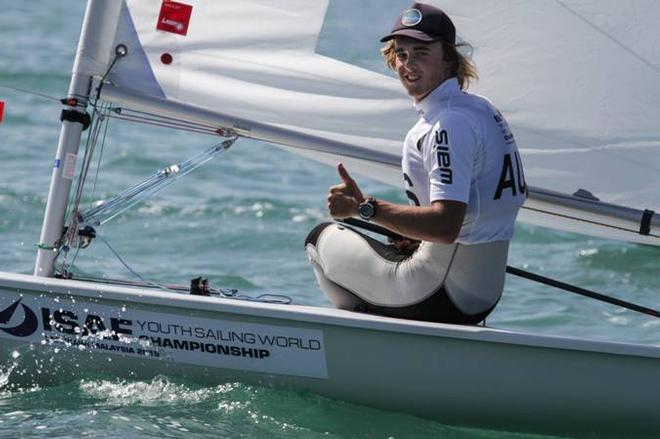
(163,407)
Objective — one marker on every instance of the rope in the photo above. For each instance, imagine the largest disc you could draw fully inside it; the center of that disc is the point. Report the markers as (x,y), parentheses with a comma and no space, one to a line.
(145,189)
(582,291)
(164,124)
(98,163)
(133,272)
(30,92)
(97,119)
(223,292)
(165,119)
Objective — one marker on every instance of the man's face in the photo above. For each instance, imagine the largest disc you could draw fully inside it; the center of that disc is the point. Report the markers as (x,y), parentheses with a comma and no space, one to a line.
(421,66)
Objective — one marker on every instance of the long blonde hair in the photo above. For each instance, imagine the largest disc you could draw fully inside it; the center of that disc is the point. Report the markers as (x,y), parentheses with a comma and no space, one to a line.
(462,67)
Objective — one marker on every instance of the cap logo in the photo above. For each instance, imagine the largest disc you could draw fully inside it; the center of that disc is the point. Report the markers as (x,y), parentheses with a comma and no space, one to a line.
(411,17)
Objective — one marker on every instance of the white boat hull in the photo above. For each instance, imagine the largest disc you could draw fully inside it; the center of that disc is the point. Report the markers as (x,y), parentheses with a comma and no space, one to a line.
(470,376)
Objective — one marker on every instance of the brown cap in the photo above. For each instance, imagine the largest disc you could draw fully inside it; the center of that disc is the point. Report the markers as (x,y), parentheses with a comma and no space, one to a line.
(425,23)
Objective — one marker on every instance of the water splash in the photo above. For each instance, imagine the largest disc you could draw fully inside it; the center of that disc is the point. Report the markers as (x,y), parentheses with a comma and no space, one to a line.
(160,390)
(5,374)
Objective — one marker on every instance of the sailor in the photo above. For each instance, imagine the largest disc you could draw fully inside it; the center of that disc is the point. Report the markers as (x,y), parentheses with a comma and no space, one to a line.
(464,179)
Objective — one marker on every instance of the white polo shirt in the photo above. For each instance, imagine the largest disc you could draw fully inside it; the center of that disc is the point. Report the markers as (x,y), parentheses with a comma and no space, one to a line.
(461,149)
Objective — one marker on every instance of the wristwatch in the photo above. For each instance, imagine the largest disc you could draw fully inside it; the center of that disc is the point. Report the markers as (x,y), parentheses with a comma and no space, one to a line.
(367,209)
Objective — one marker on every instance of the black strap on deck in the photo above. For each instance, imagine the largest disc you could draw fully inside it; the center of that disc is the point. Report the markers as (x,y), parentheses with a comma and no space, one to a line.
(645,224)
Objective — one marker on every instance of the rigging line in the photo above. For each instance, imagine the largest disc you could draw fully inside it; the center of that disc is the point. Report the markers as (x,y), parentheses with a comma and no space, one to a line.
(596,223)
(98,163)
(71,208)
(609,37)
(164,125)
(164,121)
(133,272)
(390,162)
(581,291)
(130,283)
(73,261)
(64,265)
(31,92)
(88,145)
(223,292)
(120,52)
(92,139)
(130,110)
(87,158)
(126,199)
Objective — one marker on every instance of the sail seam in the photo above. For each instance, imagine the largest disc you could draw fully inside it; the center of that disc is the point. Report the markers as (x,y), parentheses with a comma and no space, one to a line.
(609,37)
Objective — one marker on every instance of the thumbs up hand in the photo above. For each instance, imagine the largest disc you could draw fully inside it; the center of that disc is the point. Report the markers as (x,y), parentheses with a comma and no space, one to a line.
(344,198)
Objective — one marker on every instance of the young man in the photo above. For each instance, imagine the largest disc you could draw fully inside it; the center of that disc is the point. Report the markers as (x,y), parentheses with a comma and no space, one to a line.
(464,179)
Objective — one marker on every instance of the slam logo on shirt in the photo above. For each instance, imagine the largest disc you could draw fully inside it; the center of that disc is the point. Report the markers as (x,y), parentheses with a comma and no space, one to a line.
(444,159)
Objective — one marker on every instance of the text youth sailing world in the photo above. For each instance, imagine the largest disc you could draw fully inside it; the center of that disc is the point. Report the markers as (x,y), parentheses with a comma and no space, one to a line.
(228,336)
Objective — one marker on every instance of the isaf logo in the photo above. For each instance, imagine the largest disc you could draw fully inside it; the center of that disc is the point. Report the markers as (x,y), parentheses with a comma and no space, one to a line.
(60,320)
(25,328)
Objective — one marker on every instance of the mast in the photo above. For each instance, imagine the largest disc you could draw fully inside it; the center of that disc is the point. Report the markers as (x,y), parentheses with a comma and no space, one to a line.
(92,58)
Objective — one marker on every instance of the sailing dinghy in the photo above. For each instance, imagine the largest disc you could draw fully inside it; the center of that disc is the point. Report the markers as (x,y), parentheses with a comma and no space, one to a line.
(249,69)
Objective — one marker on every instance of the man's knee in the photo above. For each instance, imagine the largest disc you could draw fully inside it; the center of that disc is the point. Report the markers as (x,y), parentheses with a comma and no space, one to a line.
(313,236)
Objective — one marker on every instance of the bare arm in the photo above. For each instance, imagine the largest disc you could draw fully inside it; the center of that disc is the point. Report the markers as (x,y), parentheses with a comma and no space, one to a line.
(440,222)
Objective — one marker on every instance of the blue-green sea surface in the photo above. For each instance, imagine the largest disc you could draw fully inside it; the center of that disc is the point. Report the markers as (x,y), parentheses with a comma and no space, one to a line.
(240,221)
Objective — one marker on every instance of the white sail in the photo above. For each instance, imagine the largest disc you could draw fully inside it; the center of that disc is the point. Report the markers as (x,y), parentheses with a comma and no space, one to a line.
(577,80)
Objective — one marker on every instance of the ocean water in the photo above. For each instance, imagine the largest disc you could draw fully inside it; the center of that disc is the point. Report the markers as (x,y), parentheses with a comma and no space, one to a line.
(240,221)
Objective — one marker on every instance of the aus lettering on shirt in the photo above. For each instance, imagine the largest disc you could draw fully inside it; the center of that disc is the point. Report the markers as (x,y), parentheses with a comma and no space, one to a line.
(510,179)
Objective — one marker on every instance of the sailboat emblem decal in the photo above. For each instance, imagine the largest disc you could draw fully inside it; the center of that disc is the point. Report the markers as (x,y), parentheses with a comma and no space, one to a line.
(26,327)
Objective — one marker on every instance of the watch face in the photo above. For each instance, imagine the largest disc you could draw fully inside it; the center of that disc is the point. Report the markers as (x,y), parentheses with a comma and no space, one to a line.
(366,210)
